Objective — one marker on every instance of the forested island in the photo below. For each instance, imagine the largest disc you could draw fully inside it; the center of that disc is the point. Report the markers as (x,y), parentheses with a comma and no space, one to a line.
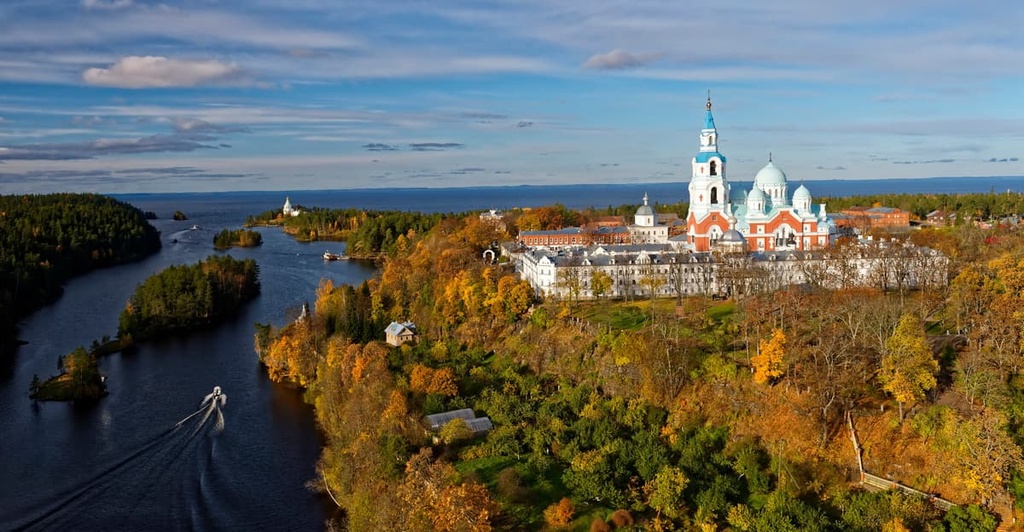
(177,299)
(366,234)
(707,414)
(45,240)
(244,238)
(182,297)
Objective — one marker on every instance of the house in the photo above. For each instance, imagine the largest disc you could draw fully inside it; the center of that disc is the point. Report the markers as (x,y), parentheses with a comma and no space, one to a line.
(865,218)
(477,425)
(397,334)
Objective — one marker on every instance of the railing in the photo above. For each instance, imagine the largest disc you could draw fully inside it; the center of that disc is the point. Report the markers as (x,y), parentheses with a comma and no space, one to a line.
(873,481)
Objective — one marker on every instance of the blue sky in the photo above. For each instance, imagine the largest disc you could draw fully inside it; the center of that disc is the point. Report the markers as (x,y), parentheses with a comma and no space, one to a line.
(207,95)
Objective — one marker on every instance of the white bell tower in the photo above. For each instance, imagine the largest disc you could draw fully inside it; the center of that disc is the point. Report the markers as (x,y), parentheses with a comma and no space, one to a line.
(709,189)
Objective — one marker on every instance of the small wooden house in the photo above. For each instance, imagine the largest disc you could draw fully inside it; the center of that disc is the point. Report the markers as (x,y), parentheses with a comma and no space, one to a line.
(397,334)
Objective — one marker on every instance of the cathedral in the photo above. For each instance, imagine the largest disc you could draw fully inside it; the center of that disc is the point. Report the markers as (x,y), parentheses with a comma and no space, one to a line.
(767,218)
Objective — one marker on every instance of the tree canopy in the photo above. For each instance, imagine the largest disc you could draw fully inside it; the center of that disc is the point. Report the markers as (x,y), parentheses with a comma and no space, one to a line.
(45,240)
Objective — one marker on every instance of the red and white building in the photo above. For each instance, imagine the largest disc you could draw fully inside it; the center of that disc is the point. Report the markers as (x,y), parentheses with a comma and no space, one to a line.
(767,217)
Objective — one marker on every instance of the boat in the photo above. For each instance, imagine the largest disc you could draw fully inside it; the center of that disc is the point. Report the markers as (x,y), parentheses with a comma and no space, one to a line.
(195,228)
(334,256)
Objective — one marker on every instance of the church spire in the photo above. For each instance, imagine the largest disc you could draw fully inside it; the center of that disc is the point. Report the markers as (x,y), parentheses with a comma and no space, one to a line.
(709,120)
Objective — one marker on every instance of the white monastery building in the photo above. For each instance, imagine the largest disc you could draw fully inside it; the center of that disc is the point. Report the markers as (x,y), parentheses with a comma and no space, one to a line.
(736,242)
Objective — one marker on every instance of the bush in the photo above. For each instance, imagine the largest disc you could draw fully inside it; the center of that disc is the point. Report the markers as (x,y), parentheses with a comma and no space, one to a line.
(599,525)
(621,518)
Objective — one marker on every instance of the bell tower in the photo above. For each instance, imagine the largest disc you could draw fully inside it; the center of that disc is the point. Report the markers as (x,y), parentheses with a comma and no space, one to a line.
(709,189)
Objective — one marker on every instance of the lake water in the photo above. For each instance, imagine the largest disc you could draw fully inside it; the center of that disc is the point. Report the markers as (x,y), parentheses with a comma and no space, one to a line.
(121,465)
(114,466)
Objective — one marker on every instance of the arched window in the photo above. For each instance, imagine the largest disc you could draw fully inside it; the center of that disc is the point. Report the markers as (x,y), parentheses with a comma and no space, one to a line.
(714,190)
(714,167)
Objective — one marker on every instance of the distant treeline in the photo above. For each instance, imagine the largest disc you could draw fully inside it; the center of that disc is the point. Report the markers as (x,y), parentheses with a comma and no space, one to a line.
(186,296)
(245,238)
(366,233)
(977,205)
(47,239)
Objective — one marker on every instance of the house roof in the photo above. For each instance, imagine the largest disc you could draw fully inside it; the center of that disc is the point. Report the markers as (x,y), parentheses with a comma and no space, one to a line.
(399,329)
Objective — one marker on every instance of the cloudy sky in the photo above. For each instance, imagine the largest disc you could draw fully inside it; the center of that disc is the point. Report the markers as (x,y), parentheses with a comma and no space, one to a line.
(209,95)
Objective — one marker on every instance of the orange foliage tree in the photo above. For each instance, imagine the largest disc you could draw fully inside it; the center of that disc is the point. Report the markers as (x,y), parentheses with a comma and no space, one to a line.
(436,500)
(559,513)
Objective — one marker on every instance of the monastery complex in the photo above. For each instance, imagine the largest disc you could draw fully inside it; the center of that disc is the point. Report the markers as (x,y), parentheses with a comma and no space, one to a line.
(732,241)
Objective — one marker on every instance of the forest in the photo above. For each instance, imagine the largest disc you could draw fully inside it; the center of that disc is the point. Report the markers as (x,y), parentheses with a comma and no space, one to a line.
(244,238)
(45,240)
(649,414)
(185,296)
(366,234)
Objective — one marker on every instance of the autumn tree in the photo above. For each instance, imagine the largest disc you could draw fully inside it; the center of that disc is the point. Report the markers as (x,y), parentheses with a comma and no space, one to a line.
(571,280)
(600,283)
(560,513)
(769,361)
(665,491)
(436,500)
(908,367)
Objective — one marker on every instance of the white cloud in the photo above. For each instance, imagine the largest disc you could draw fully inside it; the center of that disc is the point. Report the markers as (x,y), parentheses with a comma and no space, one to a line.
(615,60)
(139,72)
(106,4)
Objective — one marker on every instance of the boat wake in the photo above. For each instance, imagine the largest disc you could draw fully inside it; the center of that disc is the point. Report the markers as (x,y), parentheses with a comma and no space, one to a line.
(118,496)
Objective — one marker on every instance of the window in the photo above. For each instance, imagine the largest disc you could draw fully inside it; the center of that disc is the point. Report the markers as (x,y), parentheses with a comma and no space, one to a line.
(714,190)
(714,171)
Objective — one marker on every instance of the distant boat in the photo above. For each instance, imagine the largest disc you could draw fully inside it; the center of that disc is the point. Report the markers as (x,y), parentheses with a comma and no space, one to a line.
(334,256)
(196,228)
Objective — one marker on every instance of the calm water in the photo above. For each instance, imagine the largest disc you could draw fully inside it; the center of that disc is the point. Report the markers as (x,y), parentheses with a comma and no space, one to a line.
(572,196)
(120,465)
(114,465)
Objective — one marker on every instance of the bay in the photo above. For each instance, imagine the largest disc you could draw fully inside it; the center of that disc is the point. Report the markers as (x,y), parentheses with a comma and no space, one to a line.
(120,464)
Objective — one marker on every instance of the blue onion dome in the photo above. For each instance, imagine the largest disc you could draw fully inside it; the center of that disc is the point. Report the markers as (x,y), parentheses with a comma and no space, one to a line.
(801,195)
(756,196)
(769,175)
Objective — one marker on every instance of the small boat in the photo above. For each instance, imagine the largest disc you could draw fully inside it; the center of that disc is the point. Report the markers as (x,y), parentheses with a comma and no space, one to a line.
(195,228)
(333,256)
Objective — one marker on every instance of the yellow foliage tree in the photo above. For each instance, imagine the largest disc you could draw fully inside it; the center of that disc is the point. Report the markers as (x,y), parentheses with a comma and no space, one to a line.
(769,361)
(908,367)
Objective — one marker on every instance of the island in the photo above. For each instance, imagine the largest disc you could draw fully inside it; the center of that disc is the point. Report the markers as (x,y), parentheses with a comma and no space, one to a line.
(181,298)
(173,301)
(79,380)
(48,239)
(245,238)
(368,234)
(179,216)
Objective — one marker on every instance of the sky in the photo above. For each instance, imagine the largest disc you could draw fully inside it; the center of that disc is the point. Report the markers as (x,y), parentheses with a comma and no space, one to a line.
(122,96)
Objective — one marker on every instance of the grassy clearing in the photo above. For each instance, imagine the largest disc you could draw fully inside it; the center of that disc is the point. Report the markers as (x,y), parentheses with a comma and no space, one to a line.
(722,310)
(619,315)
